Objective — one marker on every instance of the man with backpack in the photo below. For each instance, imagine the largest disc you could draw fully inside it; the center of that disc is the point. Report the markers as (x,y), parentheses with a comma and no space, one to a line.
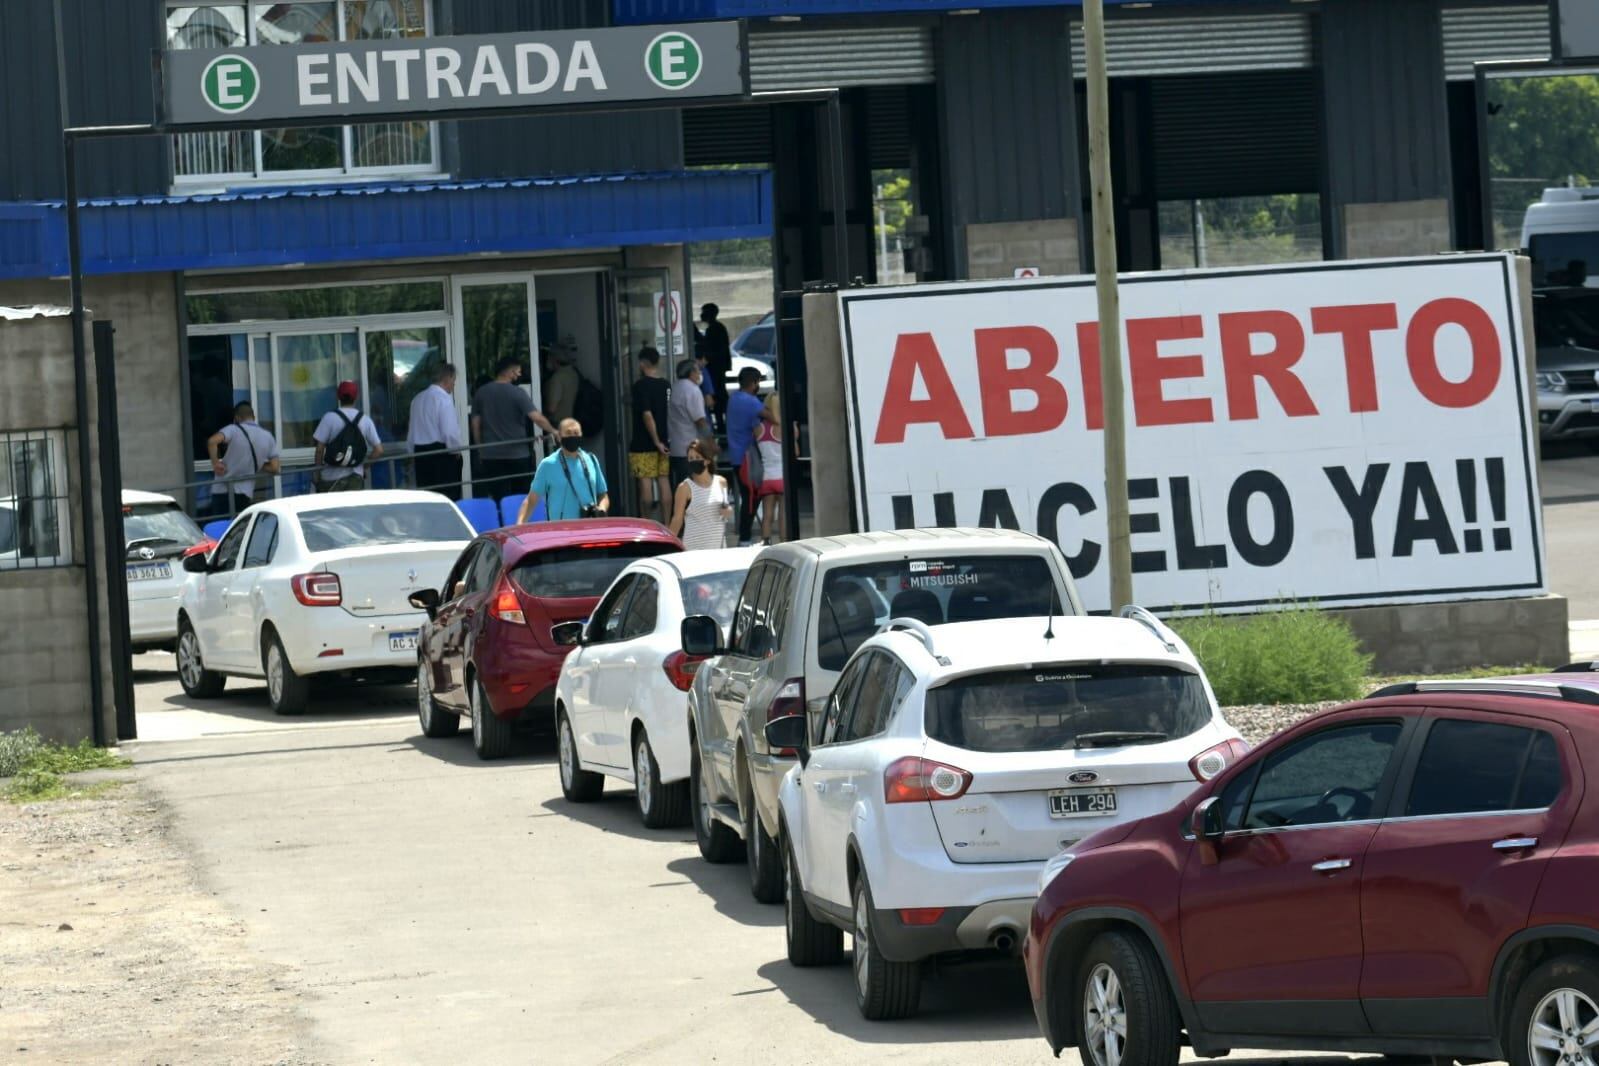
(346,440)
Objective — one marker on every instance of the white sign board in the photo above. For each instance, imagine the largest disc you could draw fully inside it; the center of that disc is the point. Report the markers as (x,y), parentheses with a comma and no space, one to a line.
(669,321)
(1344,433)
(1026,272)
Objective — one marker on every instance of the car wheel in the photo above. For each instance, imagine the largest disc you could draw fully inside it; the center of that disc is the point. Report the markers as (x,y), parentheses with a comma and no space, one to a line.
(1128,1016)
(884,990)
(810,942)
(198,682)
(1555,1019)
(491,736)
(660,806)
(287,691)
(717,842)
(435,722)
(760,851)
(577,784)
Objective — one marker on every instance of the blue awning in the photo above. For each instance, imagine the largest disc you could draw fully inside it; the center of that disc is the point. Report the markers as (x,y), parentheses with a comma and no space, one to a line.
(260,227)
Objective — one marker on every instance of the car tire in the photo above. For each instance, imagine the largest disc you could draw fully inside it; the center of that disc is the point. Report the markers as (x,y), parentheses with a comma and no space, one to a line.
(287,691)
(1126,1013)
(810,942)
(491,735)
(436,722)
(718,844)
(577,784)
(660,806)
(198,682)
(760,852)
(884,990)
(1560,996)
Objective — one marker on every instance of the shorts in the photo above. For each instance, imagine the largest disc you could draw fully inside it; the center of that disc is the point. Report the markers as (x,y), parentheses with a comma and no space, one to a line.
(648,464)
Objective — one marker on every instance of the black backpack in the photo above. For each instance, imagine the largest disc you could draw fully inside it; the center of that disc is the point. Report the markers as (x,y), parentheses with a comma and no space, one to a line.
(348,449)
(588,407)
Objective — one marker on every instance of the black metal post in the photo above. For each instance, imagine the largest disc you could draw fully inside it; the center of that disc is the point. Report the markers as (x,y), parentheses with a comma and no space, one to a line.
(835,138)
(105,377)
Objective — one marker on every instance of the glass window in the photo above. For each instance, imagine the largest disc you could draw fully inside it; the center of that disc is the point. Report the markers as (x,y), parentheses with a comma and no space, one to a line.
(893,204)
(744,616)
(459,572)
(485,568)
(227,553)
(1080,705)
(606,624)
(713,594)
(219,378)
(641,614)
(310,367)
(1234,796)
(736,276)
(842,699)
(33,500)
(1332,776)
(578,573)
(370,524)
(1468,767)
(400,363)
(874,698)
(263,541)
(160,526)
(1241,231)
(775,597)
(328,301)
(1540,781)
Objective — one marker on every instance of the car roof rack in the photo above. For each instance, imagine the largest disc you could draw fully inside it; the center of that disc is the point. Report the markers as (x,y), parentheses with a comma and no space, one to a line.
(1138,614)
(1506,687)
(918,629)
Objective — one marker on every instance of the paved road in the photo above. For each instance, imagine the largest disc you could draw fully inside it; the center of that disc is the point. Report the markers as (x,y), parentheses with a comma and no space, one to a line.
(439,910)
(1570,475)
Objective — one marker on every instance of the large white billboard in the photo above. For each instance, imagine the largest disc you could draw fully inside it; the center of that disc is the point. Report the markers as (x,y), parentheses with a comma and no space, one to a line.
(1343,433)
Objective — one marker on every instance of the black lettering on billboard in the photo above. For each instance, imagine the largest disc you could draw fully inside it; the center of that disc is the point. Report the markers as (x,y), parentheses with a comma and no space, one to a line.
(1360,505)
(944,510)
(1421,514)
(904,512)
(1191,555)
(1145,488)
(996,511)
(1252,551)
(1069,494)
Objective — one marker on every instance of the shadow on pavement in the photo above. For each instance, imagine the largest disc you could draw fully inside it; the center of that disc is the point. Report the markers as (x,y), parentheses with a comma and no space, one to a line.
(246,699)
(616,811)
(728,886)
(527,749)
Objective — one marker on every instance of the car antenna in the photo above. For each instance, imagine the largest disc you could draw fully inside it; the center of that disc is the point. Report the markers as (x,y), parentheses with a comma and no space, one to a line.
(1049,628)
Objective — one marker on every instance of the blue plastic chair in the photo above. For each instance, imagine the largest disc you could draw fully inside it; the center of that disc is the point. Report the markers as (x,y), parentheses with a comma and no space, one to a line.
(510,505)
(214,530)
(483,515)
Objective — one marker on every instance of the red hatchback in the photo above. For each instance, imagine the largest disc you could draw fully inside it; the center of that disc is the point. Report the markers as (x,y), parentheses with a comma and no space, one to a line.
(486,654)
(1414,874)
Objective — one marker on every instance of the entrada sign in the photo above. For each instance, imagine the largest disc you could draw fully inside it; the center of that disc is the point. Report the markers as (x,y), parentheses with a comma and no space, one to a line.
(506,70)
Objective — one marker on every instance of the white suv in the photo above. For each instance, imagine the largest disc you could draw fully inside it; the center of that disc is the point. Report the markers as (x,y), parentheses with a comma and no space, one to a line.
(954,761)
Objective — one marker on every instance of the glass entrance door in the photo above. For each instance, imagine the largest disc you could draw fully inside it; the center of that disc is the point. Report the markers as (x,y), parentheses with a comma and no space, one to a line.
(494,315)
(639,296)
(399,364)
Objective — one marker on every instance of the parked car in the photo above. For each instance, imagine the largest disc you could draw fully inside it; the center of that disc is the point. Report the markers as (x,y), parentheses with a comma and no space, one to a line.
(1407,875)
(314,585)
(157,535)
(1566,324)
(758,341)
(805,608)
(740,363)
(621,703)
(954,761)
(486,652)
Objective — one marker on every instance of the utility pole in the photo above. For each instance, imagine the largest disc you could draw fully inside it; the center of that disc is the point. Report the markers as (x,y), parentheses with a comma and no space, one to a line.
(1110,312)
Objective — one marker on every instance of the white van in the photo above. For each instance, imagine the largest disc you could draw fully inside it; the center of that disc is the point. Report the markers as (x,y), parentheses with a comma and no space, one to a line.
(1559,232)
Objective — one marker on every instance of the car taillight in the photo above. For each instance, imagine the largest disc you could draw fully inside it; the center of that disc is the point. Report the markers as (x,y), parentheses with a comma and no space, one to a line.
(916,780)
(505,606)
(790,699)
(680,669)
(318,590)
(1212,761)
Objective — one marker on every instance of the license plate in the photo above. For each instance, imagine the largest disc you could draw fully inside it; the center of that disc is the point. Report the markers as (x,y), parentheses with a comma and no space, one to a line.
(1082,802)
(403,641)
(149,572)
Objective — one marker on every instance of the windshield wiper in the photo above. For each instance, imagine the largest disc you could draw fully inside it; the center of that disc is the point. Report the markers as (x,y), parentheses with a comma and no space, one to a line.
(1115,739)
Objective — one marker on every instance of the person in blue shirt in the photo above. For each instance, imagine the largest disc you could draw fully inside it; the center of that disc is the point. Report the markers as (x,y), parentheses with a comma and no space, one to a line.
(569,481)
(745,412)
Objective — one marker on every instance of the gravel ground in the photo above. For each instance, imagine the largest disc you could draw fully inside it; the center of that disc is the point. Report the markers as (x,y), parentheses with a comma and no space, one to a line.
(1259,721)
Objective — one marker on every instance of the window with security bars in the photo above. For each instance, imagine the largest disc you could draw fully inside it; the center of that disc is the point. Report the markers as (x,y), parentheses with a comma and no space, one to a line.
(367,150)
(34,528)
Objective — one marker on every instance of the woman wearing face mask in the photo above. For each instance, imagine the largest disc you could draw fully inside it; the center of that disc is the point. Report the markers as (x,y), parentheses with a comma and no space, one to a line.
(703,503)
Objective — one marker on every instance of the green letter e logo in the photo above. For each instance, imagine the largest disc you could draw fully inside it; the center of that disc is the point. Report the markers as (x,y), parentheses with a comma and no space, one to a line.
(673,60)
(230,84)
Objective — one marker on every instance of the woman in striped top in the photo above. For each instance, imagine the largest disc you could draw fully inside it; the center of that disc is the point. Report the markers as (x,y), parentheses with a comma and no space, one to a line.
(703,503)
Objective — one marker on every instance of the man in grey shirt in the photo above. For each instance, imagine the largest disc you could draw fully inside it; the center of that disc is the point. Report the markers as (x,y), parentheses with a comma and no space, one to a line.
(501,412)
(685,418)
(251,451)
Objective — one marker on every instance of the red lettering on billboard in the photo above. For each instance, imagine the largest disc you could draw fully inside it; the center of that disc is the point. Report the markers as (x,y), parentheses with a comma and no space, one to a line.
(1151,370)
(1093,387)
(1356,323)
(915,353)
(1000,381)
(1421,350)
(1275,366)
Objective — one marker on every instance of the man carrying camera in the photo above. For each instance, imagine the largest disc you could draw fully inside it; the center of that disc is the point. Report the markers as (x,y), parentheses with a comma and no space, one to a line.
(569,481)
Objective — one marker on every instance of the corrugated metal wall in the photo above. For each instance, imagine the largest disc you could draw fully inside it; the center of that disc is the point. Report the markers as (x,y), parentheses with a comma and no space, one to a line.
(108,49)
(1157,44)
(1473,33)
(1009,118)
(845,58)
(1240,134)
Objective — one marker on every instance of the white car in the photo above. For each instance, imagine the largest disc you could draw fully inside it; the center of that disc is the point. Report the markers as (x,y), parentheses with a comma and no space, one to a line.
(622,701)
(156,534)
(315,585)
(953,762)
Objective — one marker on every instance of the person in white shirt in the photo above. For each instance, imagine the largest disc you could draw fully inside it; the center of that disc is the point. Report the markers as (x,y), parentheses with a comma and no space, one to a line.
(346,440)
(251,451)
(435,434)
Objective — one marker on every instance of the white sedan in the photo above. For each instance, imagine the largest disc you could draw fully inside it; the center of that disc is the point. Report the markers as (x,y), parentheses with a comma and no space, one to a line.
(157,535)
(315,585)
(622,701)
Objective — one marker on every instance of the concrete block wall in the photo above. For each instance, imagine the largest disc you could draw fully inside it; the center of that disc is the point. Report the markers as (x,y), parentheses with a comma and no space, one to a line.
(150,407)
(1386,230)
(1424,638)
(998,249)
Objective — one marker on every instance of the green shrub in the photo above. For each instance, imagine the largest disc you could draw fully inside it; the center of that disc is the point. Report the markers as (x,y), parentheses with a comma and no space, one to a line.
(1294,655)
(58,759)
(16,749)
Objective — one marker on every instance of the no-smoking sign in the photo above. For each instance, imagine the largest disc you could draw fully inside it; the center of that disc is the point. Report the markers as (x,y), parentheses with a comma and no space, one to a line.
(669,322)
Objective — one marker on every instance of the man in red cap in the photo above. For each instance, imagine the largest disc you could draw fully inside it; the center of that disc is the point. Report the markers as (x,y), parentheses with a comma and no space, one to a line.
(346,440)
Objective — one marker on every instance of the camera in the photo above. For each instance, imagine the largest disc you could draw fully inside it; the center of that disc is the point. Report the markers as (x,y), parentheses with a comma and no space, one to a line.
(591,511)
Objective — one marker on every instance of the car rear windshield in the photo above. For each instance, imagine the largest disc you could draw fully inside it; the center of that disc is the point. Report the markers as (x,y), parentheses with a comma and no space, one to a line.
(583,572)
(857,600)
(1562,259)
(1073,706)
(158,525)
(366,525)
(713,594)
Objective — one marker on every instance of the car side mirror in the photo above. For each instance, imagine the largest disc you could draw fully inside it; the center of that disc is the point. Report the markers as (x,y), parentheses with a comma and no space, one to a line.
(567,634)
(701,635)
(426,600)
(1206,825)
(196,564)
(789,733)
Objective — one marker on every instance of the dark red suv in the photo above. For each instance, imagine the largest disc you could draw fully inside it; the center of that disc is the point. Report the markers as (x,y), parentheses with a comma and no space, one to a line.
(486,653)
(1414,874)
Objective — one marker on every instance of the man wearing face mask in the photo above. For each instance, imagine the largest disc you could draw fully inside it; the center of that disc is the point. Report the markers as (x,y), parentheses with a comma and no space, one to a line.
(569,481)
